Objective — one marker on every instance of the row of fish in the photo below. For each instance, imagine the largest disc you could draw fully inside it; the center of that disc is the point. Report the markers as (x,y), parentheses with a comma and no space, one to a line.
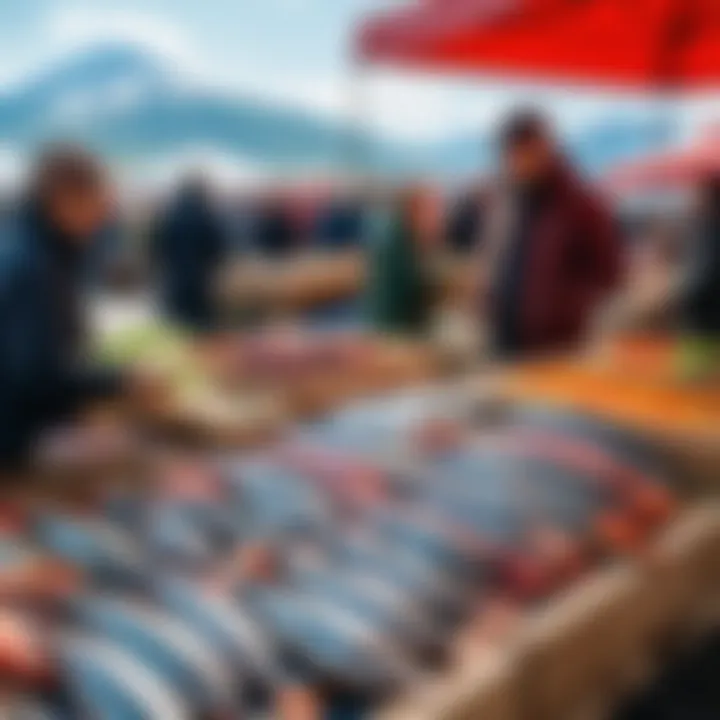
(328,570)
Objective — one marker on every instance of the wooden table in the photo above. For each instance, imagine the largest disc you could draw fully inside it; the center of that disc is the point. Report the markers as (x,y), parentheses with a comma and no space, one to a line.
(292,285)
(307,281)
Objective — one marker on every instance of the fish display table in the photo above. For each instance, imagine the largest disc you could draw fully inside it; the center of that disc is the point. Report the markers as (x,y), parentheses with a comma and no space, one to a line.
(634,383)
(240,389)
(524,569)
(468,556)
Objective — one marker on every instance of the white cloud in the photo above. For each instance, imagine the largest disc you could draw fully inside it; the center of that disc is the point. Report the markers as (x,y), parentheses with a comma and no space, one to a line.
(431,108)
(70,27)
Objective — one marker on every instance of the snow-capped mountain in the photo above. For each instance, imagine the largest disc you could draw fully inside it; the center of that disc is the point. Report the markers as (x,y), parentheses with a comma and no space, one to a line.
(133,106)
(127,103)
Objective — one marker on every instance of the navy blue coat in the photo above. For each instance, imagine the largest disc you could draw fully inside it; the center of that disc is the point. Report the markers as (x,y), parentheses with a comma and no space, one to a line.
(44,376)
(187,249)
(273,233)
(340,226)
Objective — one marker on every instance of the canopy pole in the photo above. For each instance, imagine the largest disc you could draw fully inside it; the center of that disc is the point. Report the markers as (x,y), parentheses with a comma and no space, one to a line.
(359,149)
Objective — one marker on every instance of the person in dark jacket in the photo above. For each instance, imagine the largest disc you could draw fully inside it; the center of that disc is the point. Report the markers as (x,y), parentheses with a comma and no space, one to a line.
(464,222)
(701,294)
(187,251)
(275,234)
(45,378)
(552,252)
(339,225)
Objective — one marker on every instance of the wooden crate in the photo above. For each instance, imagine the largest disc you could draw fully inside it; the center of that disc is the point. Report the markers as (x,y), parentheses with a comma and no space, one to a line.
(589,646)
(485,687)
(609,634)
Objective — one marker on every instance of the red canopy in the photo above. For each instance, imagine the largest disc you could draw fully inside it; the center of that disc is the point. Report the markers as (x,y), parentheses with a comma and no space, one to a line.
(680,167)
(616,43)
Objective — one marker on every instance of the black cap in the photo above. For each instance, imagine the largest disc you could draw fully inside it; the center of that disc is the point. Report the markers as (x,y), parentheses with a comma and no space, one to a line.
(523,126)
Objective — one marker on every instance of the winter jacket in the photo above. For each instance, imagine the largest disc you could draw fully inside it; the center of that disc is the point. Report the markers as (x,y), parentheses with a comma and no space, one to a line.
(187,249)
(553,259)
(44,374)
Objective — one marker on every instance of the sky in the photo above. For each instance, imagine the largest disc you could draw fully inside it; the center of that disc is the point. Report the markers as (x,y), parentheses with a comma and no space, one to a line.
(271,45)
(286,51)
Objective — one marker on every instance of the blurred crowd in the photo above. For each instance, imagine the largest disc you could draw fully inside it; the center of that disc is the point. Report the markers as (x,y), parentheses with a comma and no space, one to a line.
(547,247)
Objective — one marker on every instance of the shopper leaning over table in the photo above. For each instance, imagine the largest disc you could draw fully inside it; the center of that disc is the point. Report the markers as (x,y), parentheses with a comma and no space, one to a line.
(45,376)
(552,254)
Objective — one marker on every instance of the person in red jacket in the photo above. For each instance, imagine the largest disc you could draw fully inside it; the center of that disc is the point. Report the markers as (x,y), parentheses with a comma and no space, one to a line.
(552,252)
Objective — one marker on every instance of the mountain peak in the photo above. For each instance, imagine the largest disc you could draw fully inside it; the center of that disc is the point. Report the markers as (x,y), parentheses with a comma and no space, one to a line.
(98,65)
(118,55)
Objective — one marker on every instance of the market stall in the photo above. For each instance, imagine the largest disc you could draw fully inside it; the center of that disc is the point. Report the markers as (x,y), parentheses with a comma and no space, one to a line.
(588,645)
(436,555)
